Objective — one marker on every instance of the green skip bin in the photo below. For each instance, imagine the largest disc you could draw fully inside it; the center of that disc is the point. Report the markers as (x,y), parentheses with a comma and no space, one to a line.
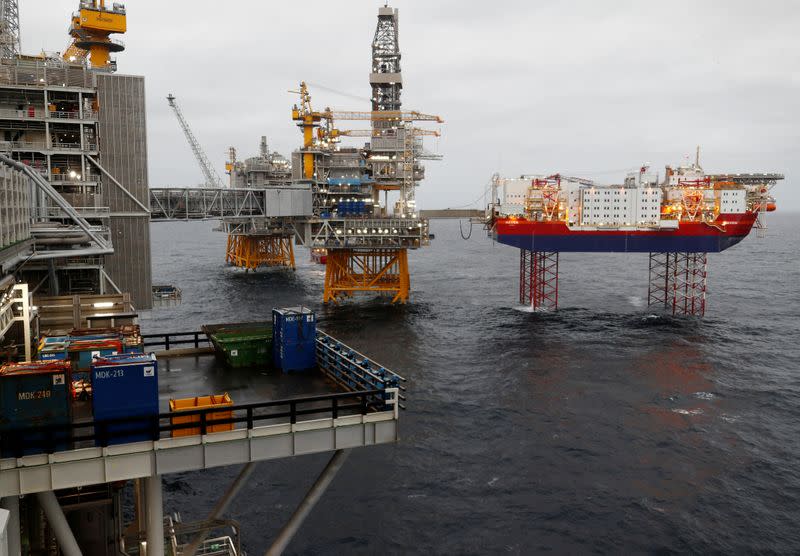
(242,344)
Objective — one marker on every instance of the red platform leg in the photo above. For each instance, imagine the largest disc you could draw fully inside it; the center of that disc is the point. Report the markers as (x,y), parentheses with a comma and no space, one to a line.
(678,282)
(538,279)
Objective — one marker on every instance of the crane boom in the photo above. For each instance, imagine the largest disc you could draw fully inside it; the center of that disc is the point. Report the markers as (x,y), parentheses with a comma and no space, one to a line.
(581,181)
(378,132)
(212,178)
(382,115)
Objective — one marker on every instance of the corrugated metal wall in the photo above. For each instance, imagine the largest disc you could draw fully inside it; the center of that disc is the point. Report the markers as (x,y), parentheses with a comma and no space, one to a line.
(123,153)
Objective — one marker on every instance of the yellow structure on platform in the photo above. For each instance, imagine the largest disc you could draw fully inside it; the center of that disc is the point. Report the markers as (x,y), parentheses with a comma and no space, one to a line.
(90,29)
(373,270)
(250,252)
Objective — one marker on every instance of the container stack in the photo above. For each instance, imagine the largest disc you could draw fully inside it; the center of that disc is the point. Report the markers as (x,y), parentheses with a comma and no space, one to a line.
(129,335)
(351,369)
(352,208)
(294,332)
(34,394)
(125,386)
(242,344)
(82,345)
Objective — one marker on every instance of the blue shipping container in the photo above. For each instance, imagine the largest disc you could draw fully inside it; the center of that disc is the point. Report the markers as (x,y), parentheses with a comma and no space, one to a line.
(294,332)
(125,386)
(33,398)
(53,352)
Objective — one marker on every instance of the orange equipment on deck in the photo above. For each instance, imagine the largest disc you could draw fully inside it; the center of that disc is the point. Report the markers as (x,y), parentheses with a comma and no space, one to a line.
(201,402)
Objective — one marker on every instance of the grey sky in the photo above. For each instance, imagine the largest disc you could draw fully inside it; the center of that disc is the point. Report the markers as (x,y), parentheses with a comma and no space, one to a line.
(590,87)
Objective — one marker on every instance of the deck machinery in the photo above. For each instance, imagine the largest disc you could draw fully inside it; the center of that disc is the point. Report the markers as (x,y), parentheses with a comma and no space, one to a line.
(91,28)
(367,241)
(677,221)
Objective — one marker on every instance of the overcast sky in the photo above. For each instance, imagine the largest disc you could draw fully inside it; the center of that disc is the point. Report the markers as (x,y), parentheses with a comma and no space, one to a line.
(582,87)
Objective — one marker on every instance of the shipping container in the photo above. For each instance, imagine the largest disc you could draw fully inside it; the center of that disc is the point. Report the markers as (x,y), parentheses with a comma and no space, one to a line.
(34,394)
(125,386)
(83,350)
(53,348)
(294,335)
(129,335)
(201,402)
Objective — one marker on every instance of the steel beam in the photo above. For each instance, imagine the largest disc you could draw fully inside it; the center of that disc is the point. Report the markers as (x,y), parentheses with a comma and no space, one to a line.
(222,506)
(155,516)
(58,522)
(304,509)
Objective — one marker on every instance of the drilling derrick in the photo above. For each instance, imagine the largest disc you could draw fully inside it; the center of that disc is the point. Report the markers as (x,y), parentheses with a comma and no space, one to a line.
(9,28)
(367,242)
(386,80)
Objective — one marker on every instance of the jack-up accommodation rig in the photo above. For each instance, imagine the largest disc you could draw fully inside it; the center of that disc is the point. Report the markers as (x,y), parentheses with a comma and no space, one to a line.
(677,221)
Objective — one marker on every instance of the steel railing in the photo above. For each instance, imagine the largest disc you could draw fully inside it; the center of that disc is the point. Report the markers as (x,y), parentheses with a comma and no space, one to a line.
(169,341)
(55,438)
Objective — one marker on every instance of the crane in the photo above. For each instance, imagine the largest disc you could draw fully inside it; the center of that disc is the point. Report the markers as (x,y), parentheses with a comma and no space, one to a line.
(90,29)
(211,176)
(307,119)
(580,181)
(377,132)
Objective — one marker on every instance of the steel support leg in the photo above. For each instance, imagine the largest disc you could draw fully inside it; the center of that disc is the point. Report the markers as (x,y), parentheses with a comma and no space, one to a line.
(312,497)
(690,284)
(222,506)
(155,516)
(538,279)
(678,283)
(58,522)
(11,503)
(660,281)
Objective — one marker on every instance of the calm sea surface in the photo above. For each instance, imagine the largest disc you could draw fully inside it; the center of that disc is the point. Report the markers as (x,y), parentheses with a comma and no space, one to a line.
(600,428)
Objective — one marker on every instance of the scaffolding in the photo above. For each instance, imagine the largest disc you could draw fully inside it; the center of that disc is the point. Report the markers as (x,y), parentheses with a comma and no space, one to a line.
(250,252)
(538,279)
(348,271)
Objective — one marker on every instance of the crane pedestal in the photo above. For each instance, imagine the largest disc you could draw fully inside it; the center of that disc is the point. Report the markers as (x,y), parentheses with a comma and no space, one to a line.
(348,271)
(538,279)
(678,283)
(250,252)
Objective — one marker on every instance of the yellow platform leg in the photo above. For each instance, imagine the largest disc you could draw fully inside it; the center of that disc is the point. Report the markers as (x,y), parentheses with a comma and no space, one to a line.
(348,271)
(250,252)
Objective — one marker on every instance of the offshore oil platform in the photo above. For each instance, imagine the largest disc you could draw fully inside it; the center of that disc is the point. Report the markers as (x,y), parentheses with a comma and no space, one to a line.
(333,199)
(677,221)
(89,419)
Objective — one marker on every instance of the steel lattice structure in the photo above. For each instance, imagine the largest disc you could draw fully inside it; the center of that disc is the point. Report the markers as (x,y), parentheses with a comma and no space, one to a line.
(9,28)
(538,279)
(210,175)
(386,79)
(678,283)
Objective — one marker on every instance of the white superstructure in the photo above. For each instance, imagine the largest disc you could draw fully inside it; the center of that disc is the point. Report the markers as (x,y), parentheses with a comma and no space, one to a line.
(641,202)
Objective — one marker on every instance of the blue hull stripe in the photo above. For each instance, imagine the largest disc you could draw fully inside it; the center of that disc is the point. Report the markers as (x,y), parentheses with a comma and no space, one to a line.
(622,243)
